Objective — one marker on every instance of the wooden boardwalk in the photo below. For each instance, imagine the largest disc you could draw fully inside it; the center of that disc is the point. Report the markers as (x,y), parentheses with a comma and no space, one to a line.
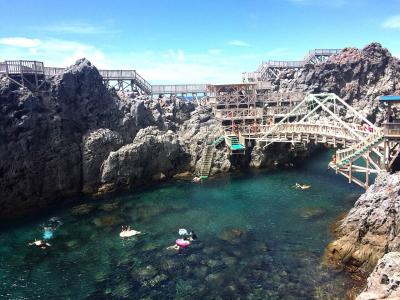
(271,69)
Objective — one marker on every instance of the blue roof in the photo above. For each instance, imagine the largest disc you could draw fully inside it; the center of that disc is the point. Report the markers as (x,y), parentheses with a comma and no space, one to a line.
(389,98)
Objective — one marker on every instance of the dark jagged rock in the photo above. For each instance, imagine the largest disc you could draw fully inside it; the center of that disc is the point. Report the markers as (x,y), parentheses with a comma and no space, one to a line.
(52,145)
(151,153)
(357,76)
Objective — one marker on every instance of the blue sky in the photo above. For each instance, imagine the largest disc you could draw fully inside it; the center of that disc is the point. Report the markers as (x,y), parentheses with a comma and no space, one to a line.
(190,41)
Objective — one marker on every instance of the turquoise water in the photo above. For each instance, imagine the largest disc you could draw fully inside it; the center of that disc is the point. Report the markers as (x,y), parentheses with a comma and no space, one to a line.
(258,239)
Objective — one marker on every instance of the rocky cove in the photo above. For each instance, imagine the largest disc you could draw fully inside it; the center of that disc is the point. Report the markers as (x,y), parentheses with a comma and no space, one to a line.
(82,139)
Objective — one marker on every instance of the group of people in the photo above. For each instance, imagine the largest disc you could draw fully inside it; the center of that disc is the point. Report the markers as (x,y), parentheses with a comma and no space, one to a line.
(187,237)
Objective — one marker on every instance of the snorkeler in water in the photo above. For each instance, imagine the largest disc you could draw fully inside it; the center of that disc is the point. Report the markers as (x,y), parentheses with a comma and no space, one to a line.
(189,236)
(40,243)
(302,187)
(126,231)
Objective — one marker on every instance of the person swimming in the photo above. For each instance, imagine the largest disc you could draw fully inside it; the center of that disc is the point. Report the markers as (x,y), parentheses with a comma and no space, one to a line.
(40,243)
(302,187)
(50,227)
(196,179)
(48,233)
(185,241)
(128,232)
(180,244)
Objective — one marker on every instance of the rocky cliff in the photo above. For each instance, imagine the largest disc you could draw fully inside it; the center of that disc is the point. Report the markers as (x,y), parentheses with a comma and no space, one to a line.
(370,230)
(384,281)
(71,139)
(78,137)
(357,76)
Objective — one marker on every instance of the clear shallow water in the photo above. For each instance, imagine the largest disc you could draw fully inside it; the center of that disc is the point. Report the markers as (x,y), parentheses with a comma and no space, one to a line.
(258,239)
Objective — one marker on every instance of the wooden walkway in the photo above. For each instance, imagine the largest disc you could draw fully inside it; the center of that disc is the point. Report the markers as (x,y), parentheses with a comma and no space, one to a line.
(271,69)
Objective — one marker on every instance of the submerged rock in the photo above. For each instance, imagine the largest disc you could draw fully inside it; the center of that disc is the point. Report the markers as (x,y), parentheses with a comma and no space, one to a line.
(312,212)
(82,209)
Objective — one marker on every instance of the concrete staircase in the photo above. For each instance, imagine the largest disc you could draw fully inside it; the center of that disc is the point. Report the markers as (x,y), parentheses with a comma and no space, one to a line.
(206,162)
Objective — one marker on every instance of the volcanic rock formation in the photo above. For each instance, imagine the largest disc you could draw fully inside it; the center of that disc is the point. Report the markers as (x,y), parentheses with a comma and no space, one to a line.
(371,228)
(357,76)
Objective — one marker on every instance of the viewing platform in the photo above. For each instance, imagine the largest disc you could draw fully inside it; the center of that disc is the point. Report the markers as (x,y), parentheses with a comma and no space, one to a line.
(270,69)
(30,74)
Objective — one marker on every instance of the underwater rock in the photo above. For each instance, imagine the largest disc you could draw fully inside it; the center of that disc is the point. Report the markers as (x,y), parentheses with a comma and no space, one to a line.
(82,209)
(122,290)
(312,212)
(155,281)
(232,235)
(146,272)
(194,259)
(215,264)
(229,261)
(107,221)
(215,279)
(109,206)
(200,272)
(72,243)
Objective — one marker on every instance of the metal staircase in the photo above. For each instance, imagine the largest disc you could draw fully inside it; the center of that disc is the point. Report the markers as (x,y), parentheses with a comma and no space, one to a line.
(234,144)
(218,141)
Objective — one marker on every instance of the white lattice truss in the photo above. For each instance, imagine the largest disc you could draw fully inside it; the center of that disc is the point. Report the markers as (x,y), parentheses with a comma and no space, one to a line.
(330,120)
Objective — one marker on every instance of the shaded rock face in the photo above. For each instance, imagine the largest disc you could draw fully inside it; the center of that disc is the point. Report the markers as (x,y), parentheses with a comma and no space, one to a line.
(371,228)
(54,145)
(40,153)
(384,281)
(151,153)
(357,76)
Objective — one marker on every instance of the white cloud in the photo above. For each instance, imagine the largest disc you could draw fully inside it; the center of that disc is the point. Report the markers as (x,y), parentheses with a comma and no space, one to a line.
(54,52)
(392,22)
(278,53)
(214,51)
(169,66)
(238,43)
(20,42)
(77,28)
(328,3)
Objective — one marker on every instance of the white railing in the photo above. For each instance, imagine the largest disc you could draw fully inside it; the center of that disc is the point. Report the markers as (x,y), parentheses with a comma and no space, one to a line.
(360,147)
(179,89)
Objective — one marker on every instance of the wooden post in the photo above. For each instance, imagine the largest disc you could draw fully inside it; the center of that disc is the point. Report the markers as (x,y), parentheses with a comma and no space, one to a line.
(367,171)
(350,172)
(22,75)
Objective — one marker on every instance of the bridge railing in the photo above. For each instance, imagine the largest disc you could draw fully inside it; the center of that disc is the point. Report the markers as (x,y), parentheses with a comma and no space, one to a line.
(283,64)
(179,89)
(17,67)
(391,129)
(52,71)
(231,114)
(332,129)
(360,147)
